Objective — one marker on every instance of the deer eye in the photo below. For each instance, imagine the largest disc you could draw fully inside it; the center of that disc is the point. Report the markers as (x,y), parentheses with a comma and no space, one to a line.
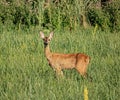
(48,39)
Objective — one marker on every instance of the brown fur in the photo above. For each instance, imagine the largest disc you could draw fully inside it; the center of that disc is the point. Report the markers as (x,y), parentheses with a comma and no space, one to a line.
(59,61)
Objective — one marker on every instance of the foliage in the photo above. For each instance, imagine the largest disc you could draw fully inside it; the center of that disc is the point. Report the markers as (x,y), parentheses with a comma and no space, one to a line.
(98,17)
(58,14)
(113,11)
(107,17)
(19,12)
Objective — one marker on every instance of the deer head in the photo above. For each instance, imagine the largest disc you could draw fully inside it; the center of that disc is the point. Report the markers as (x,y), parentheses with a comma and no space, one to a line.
(46,40)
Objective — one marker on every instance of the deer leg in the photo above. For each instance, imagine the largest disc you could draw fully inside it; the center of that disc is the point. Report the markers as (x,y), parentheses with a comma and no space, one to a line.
(81,72)
(84,74)
(59,72)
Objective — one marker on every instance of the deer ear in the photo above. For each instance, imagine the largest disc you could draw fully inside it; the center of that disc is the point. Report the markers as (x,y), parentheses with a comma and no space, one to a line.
(42,35)
(51,35)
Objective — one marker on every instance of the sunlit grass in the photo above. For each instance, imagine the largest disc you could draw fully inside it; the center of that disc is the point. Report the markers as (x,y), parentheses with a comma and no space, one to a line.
(25,73)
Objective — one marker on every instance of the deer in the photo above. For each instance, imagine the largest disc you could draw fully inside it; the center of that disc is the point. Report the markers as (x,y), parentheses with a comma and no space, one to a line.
(60,61)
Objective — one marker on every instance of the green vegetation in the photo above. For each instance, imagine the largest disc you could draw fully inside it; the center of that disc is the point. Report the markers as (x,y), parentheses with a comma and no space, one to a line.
(26,75)
(87,26)
(58,14)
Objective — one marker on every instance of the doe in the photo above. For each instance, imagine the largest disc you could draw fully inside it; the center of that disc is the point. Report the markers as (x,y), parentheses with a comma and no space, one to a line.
(60,61)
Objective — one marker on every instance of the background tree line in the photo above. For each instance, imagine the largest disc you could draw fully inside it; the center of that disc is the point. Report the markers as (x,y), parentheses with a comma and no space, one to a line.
(61,14)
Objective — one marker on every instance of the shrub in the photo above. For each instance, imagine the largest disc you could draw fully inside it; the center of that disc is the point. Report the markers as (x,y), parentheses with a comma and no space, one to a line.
(19,12)
(113,10)
(96,16)
(108,17)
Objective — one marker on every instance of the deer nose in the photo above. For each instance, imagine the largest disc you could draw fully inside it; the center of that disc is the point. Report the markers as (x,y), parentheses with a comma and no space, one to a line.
(45,43)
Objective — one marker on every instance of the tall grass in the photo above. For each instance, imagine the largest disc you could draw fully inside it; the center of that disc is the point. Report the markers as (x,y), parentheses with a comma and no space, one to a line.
(25,73)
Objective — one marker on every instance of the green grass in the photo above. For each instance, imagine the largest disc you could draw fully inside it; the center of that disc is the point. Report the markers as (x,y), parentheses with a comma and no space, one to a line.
(26,75)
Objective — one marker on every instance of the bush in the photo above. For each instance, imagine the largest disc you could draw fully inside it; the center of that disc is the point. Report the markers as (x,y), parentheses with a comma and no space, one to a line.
(98,17)
(58,14)
(108,17)
(113,10)
(19,12)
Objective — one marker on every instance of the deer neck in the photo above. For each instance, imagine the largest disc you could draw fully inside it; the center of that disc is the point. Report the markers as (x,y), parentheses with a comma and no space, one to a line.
(47,52)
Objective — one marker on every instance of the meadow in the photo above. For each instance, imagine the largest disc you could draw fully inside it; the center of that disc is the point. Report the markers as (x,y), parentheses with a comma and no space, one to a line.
(25,73)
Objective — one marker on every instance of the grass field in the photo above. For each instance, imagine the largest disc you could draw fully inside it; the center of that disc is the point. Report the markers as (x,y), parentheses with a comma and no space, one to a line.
(26,75)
